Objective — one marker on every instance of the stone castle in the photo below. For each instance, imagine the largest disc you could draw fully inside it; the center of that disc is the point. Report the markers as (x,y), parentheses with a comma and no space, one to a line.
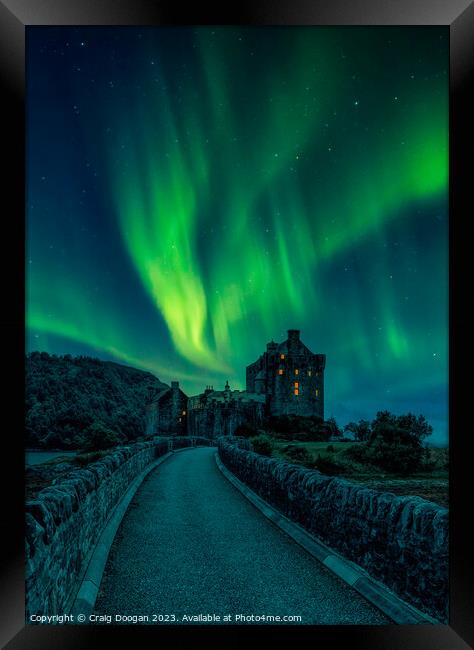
(286,379)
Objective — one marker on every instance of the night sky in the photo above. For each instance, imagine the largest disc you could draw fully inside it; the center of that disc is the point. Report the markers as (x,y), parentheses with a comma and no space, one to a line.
(193,193)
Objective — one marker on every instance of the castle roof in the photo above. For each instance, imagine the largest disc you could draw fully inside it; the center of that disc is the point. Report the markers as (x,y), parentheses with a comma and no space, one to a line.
(164,391)
(159,395)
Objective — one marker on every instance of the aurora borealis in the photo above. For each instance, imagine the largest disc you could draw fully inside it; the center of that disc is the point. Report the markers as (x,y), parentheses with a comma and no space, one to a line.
(193,193)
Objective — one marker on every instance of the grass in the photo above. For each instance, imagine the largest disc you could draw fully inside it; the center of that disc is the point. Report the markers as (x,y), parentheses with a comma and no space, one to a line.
(314,448)
(41,476)
(430,484)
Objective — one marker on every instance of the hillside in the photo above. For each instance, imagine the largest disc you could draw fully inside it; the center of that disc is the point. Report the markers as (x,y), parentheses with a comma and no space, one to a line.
(71,400)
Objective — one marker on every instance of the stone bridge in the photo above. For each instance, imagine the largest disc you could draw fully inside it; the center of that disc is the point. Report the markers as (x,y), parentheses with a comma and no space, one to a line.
(152,533)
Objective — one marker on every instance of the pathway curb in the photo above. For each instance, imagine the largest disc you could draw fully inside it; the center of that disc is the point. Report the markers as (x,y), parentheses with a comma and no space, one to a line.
(394,607)
(86,595)
(85,598)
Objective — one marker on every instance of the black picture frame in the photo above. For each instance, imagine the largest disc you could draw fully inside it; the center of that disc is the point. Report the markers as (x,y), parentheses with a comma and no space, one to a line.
(15,16)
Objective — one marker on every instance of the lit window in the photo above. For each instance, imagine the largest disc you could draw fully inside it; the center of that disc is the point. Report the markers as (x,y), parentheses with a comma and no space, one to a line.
(296,384)
(184,413)
(280,372)
(179,419)
(282,356)
(309,373)
(296,391)
(317,392)
(296,371)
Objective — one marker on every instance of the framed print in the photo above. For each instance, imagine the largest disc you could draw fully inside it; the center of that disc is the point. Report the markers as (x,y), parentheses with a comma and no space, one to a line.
(236,333)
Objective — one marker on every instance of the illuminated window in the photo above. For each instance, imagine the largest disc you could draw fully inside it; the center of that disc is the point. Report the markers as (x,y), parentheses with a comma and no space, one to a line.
(296,384)
(309,373)
(296,391)
(184,413)
(296,371)
(179,419)
(282,356)
(280,372)
(317,392)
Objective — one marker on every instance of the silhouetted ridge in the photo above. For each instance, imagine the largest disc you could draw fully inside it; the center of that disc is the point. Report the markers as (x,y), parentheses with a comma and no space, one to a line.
(71,400)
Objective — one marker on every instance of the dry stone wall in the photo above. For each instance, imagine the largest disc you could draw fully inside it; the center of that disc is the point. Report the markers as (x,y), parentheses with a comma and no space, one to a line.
(65,520)
(401,541)
(186,441)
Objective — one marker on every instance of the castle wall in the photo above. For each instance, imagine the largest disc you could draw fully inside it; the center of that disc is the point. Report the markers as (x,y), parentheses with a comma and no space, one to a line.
(167,416)
(250,373)
(293,378)
(299,389)
(151,419)
(216,418)
(287,379)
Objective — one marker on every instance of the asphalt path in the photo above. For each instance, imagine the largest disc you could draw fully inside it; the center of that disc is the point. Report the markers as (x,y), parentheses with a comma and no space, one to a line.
(191,544)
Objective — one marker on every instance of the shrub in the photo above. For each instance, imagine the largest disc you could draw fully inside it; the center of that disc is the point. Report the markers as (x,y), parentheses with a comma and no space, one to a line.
(296,427)
(262,445)
(397,458)
(245,431)
(327,465)
(85,459)
(360,453)
(299,454)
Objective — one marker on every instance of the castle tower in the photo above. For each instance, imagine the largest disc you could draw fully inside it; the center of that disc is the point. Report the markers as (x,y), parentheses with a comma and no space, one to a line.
(291,376)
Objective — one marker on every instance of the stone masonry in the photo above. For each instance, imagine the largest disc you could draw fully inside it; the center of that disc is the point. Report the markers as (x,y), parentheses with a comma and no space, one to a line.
(64,521)
(290,376)
(401,541)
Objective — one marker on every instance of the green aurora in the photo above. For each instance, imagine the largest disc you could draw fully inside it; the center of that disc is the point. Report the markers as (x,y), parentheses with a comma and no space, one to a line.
(195,192)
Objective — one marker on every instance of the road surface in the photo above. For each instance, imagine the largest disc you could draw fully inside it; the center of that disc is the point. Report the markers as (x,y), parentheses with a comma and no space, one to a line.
(191,543)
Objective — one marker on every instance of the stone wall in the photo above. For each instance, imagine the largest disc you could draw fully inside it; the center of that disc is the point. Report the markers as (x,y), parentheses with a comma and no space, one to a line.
(167,414)
(400,541)
(216,418)
(66,519)
(291,376)
(187,441)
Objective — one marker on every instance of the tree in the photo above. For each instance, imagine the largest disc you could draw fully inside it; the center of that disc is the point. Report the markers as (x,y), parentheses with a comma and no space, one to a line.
(417,426)
(100,437)
(333,428)
(396,441)
(360,430)
(65,395)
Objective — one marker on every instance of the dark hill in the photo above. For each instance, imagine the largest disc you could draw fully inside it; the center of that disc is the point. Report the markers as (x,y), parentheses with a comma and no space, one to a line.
(72,400)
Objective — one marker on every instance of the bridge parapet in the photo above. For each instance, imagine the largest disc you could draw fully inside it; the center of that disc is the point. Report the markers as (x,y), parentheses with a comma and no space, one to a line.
(401,541)
(182,442)
(65,520)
